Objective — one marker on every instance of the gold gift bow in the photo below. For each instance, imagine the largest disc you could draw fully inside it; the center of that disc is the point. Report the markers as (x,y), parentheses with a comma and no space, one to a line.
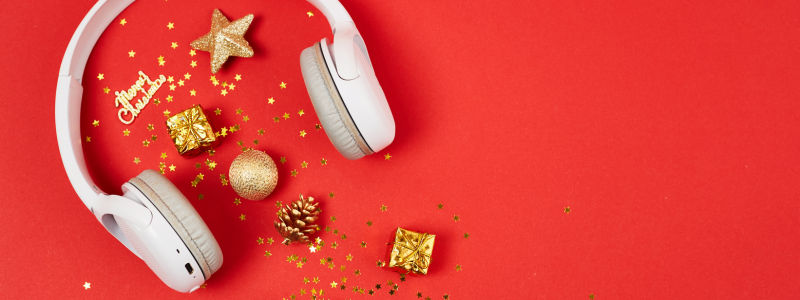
(420,259)
(189,126)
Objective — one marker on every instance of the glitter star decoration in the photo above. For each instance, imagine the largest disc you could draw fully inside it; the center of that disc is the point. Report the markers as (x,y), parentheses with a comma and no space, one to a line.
(225,39)
(567,210)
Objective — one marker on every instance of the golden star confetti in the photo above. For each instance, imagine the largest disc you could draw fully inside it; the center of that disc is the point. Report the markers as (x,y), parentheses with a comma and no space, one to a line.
(200,196)
(224,84)
(267,253)
(193,64)
(271,100)
(145,143)
(126,132)
(294,173)
(369,223)
(260,241)
(591,296)
(238,77)
(123,22)
(106,90)
(156,101)
(276,119)
(218,111)
(323,161)
(100,77)
(331,194)
(87,285)
(224,92)
(172,167)
(458,268)
(317,126)
(333,218)
(136,160)
(237,202)
(333,284)
(363,244)
(310,14)
(174,45)
(192,53)
(131,53)
(96,123)
(456,218)
(154,137)
(283,85)
(166,113)
(270,241)
(466,235)
(170,25)
(283,159)
(242,217)
(302,133)
(163,154)
(383,208)
(300,112)
(245,118)
(387,156)
(225,39)
(192,92)
(150,127)
(567,210)
(285,116)
(180,82)
(231,86)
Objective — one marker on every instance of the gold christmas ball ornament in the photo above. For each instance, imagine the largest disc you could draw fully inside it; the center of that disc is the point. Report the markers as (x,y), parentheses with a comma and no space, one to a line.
(253,175)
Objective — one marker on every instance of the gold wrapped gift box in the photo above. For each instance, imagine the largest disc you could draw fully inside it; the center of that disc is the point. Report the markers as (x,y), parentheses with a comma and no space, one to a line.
(411,252)
(191,132)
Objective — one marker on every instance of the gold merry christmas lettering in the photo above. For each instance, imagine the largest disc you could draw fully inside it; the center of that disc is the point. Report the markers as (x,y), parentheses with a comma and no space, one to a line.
(124,97)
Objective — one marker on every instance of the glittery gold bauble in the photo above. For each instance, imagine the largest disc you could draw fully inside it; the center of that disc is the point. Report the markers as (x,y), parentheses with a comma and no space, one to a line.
(253,175)
(225,39)
(295,224)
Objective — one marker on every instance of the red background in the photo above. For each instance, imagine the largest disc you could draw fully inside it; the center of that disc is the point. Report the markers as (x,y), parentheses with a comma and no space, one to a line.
(669,129)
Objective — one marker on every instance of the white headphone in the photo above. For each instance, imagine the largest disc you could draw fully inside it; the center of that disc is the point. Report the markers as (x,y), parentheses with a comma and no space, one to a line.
(153,219)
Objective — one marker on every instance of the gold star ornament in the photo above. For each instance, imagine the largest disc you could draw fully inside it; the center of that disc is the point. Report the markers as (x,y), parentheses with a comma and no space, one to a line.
(225,39)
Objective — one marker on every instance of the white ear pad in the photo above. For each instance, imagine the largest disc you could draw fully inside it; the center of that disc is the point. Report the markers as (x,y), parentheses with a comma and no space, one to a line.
(330,108)
(183,218)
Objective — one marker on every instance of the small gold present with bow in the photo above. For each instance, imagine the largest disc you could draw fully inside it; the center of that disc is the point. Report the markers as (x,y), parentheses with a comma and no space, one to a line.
(411,251)
(191,132)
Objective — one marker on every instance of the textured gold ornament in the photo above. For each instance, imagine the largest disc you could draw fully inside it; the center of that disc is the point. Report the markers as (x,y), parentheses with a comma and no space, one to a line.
(225,39)
(253,175)
(191,132)
(411,251)
(295,220)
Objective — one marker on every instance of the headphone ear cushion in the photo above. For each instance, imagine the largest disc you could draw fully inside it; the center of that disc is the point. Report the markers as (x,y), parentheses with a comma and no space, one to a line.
(183,218)
(330,108)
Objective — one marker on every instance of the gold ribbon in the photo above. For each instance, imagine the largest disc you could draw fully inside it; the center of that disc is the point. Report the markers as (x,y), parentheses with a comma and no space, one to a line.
(418,259)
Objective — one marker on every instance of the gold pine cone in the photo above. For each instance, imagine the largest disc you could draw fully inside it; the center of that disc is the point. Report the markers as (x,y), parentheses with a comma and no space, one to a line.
(295,220)
(253,175)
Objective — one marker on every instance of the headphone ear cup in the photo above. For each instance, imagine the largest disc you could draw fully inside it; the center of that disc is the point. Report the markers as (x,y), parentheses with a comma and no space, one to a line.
(183,218)
(330,108)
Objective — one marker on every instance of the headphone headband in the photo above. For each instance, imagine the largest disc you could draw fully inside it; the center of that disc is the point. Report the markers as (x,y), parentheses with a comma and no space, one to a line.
(69,91)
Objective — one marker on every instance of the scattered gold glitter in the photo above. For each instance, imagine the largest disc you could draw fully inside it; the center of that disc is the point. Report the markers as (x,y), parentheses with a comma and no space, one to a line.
(192,92)
(237,202)
(126,132)
(271,100)
(145,143)
(383,208)
(458,268)
(131,54)
(323,161)
(96,123)
(238,77)
(174,45)
(300,112)
(224,92)
(193,64)
(136,160)
(310,14)
(283,85)
(294,173)
(456,218)
(218,111)
(260,241)
(466,235)
(100,77)
(88,139)
(267,253)
(283,159)
(242,217)
(331,195)
(387,156)
(369,223)
(567,210)
(150,127)
(123,22)
(317,126)
(170,25)
(106,90)
(285,116)
(302,133)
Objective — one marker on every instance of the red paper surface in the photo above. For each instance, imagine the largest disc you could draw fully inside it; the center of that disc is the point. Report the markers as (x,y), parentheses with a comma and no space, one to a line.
(670,130)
